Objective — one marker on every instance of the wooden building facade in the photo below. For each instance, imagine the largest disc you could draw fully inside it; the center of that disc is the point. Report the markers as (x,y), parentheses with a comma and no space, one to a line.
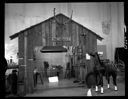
(58,30)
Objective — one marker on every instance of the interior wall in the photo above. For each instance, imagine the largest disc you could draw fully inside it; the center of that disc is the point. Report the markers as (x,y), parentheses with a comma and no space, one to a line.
(52,58)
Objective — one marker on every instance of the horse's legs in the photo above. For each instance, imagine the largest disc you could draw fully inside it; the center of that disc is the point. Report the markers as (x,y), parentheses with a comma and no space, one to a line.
(89,92)
(90,81)
(108,79)
(101,82)
(108,82)
(96,88)
(96,83)
(114,80)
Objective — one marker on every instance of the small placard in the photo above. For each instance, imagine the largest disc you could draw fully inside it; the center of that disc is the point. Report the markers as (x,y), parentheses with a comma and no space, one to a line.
(88,57)
(53,79)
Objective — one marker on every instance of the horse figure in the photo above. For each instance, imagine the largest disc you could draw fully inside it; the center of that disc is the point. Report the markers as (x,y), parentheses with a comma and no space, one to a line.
(100,69)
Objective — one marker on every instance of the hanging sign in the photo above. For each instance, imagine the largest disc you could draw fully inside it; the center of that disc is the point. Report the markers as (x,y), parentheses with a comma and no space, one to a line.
(61,39)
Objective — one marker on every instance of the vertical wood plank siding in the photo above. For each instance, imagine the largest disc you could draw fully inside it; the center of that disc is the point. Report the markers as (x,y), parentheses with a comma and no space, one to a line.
(21,61)
(53,31)
(34,39)
(43,35)
(50,32)
(92,46)
(21,48)
(29,64)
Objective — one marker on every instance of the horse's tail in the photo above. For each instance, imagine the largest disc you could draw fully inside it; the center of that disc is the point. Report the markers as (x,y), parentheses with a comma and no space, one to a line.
(90,79)
(114,67)
(111,67)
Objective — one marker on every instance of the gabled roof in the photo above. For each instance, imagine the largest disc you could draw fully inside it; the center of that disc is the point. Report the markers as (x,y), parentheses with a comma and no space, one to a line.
(60,14)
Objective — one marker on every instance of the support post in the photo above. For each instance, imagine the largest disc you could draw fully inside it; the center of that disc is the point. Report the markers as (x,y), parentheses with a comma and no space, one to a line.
(25,62)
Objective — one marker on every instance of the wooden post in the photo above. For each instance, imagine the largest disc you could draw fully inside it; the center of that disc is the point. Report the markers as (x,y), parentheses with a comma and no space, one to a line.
(25,62)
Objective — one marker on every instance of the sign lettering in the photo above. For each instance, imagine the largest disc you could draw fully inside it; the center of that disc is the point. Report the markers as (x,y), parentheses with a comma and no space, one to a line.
(61,39)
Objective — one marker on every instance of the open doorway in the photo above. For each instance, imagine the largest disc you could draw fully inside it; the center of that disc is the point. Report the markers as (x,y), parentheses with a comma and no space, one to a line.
(58,66)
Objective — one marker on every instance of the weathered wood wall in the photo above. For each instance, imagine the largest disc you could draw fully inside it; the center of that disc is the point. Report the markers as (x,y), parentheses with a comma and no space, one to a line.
(43,35)
(21,48)
(34,39)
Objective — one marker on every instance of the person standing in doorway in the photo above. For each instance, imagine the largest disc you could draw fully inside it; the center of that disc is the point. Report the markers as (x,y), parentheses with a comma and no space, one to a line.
(46,66)
(67,74)
(35,76)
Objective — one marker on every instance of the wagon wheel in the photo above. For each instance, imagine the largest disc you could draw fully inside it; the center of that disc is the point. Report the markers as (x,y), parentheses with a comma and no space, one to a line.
(121,65)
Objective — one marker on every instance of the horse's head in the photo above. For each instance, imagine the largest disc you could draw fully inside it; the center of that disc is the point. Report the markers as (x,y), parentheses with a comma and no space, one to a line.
(98,62)
(91,53)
